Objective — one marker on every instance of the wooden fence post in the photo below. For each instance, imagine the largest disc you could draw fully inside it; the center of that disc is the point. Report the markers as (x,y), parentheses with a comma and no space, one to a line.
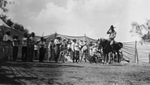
(149,57)
(136,54)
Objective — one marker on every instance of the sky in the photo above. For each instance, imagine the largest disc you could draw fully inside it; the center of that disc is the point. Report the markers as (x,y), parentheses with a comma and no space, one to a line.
(80,17)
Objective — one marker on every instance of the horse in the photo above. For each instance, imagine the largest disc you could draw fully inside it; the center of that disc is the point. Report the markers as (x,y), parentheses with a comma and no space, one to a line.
(104,44)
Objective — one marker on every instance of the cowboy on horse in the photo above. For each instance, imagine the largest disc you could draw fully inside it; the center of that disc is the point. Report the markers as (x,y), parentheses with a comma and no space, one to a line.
(112,34)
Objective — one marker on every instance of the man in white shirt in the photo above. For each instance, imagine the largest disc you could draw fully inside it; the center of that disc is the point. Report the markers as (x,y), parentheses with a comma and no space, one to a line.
(24,47)
(36,51)
(57,48)
(7,39)
(42,49)
(51,51)
(15,47)
(84,51)
(76,51)
(74,47)
(31,42)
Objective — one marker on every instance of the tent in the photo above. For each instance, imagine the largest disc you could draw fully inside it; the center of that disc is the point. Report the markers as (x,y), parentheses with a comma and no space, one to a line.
(4,27)
(12,31)
(53,36)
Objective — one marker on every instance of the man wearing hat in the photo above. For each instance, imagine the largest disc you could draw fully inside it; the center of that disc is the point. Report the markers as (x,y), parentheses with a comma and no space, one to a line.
(112,34)
(57,48)
(42,49)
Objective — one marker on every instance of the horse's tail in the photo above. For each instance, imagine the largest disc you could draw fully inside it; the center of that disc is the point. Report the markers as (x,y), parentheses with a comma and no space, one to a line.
(120,45)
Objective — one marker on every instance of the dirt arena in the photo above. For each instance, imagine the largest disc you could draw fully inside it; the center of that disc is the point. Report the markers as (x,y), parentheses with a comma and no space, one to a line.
(49,73)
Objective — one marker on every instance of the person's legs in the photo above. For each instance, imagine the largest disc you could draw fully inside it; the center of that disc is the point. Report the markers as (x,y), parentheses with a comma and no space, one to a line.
(35,54)
(40,55)
(49,55)
(23,53)
(63,56)
(43,53)
(73,55)
(77,56)
(82,55)
(14,49)
(32,53)
(57,52)
(15,53)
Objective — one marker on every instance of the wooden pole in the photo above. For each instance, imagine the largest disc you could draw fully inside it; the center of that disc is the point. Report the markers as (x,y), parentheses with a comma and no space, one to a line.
(85,38)
(55,35)
(149,57)
(135,52)
(28,55)
(87,52)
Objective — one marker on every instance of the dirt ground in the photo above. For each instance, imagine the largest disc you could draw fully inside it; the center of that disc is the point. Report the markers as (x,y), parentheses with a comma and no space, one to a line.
(50,73)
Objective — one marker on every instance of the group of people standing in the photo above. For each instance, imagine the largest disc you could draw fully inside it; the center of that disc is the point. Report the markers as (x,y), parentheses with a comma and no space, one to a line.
(11,47)
(33,49)
(59,49)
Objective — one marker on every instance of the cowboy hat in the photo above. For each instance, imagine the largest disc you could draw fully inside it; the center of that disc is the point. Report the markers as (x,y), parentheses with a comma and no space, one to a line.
(112,27)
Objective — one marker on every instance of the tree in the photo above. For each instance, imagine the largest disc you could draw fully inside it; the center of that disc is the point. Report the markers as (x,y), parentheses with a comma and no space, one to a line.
(18,27)
(26,30)
(9,22)
(4,10)
(141,30)
(4,18)
(3,4)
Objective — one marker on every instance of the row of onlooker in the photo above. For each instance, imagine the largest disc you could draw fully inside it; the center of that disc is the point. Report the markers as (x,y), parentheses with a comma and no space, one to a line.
(58,48)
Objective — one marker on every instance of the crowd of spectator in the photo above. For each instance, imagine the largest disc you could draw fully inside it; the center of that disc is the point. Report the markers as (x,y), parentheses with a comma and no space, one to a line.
(58,49)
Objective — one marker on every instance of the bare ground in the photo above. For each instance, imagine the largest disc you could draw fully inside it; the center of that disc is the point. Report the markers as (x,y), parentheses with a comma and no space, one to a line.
(49,73)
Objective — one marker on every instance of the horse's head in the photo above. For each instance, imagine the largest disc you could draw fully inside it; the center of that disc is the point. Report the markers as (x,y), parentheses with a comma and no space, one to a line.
(100,42)
(120,45)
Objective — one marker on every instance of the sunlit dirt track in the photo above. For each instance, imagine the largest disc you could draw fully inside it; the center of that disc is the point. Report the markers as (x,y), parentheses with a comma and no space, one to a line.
(49,73)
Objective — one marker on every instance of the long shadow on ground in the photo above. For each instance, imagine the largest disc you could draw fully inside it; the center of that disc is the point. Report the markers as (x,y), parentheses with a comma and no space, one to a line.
(20,73)
(11,74)
(6,80)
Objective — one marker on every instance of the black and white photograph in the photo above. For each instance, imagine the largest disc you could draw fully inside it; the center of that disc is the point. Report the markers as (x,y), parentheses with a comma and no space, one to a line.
(74,42)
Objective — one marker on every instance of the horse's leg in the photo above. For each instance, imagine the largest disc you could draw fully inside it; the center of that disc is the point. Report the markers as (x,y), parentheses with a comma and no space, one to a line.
(73,56)
(107,59)
(85,56)
(113,57)
(78,56)
(104,58)
(81,56)
(118,57)
(110,57)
